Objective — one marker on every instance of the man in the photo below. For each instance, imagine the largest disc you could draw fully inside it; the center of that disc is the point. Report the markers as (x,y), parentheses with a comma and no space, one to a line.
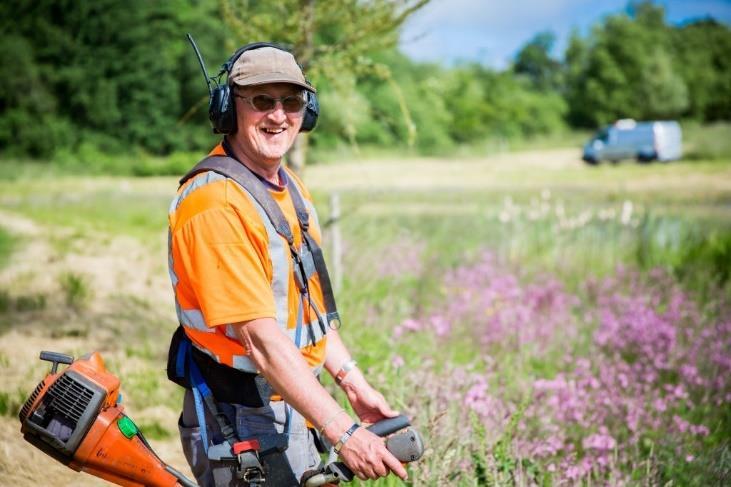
(240,305)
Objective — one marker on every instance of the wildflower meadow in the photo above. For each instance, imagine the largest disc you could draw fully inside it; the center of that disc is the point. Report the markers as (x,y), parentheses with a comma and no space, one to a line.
(550,338)
(542,322)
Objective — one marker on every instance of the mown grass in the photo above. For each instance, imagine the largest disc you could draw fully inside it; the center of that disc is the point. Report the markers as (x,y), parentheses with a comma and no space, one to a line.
(487,147)
(114,206)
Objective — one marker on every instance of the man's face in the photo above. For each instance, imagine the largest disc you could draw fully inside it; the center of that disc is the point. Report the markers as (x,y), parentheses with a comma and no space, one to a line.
(265,136)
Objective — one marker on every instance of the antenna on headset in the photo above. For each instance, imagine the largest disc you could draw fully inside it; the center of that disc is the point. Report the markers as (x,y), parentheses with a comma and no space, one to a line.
(200,61)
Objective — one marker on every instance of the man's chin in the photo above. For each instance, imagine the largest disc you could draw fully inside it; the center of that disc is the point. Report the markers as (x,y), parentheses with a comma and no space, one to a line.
(272,158)
(274,153)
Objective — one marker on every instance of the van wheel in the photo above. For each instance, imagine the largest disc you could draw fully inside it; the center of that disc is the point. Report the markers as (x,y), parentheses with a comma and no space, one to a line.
(591,161)
(646,158)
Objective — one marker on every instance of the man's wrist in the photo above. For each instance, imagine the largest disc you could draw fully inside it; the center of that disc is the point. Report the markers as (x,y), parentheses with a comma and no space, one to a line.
(344,371)
(345,437)
(335,430)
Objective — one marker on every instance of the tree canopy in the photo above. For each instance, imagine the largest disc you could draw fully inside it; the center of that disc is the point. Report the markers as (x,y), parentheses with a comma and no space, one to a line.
(121,77)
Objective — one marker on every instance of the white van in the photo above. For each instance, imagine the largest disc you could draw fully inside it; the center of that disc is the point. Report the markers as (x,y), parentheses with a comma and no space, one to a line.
(627,139)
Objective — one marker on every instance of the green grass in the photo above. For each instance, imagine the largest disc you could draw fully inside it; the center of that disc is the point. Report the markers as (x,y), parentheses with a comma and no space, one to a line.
(446,212)
(710,142)
(11,402)
(489,146)
(7,244)
(155,431)
(115,206)
(90,161)
(75,288)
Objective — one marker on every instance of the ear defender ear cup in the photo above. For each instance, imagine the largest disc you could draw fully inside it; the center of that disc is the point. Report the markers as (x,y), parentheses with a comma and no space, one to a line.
(312,111)
(222,106)
(222,110)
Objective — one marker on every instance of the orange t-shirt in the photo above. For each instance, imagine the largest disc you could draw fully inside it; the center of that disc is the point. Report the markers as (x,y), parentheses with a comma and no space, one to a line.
(223,268)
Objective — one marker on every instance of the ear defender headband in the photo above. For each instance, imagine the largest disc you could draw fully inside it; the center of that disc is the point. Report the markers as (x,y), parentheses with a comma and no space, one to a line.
(222,106)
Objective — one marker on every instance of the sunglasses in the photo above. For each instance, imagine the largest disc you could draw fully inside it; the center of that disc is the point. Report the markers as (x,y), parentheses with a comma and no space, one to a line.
(266,103)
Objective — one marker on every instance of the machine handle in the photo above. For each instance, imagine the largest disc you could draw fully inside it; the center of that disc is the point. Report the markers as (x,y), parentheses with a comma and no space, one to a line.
(389,425)
(56,358)
(337,471)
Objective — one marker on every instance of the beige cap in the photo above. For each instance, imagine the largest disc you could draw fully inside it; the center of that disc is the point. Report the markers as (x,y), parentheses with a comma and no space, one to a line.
(267,65)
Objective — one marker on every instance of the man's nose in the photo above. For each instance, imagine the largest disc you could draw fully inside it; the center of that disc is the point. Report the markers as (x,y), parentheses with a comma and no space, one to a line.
(277,113)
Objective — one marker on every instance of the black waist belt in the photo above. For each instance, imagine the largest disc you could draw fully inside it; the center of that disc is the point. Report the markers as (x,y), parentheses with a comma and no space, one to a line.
(226,383)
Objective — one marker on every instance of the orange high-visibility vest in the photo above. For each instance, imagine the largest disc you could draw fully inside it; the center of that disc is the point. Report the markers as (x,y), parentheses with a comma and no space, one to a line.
(228,265)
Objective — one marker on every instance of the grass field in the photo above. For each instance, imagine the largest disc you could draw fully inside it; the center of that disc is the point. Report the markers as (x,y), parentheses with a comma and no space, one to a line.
(542,321)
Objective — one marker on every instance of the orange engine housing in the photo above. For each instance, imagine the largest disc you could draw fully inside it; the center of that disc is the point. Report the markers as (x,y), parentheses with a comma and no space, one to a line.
(74,416)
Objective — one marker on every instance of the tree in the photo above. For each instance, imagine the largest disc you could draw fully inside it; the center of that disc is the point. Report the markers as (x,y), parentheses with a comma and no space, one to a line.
(333,41)
(534,61)
(115,73)
(702,55)
(627,70)
(576,60)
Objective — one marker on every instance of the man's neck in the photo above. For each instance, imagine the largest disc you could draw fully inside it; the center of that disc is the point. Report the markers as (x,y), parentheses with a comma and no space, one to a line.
(270,174)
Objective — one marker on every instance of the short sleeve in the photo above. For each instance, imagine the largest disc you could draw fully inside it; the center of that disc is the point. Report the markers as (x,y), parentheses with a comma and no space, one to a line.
(227,266)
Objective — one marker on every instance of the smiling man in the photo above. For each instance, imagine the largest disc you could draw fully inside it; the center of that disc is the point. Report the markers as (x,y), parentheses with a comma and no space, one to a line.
(255,328)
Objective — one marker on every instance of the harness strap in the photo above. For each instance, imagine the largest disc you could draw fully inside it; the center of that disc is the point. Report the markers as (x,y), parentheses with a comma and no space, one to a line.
(333,318)
(233,169)
(202,395)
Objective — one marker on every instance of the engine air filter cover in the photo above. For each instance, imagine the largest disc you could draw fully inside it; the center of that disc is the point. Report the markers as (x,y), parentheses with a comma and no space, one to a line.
(66,412)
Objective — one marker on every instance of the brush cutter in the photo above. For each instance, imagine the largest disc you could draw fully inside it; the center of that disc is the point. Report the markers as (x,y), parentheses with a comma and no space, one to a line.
(75,416)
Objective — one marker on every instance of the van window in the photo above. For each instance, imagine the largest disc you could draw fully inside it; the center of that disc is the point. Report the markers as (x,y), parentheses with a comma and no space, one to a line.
(603,135)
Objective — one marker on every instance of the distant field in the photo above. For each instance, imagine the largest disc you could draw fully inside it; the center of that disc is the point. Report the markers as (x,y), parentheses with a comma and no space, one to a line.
(478,293)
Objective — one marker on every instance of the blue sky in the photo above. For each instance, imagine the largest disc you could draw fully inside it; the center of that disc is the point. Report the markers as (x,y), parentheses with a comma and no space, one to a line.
(492,31)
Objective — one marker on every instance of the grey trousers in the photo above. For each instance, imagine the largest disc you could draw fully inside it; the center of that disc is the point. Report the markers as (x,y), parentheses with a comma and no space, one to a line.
(264,423)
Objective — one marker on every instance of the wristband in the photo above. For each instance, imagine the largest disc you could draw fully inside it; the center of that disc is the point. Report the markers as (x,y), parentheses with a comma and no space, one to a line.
(344,439)
(344,370)
(330,420)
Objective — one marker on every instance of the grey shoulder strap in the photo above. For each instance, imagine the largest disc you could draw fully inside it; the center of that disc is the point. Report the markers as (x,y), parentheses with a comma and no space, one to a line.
(233,169)
(333,318)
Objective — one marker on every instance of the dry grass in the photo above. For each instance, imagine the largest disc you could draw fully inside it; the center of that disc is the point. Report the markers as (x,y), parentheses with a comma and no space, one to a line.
(131,298)
(534,170)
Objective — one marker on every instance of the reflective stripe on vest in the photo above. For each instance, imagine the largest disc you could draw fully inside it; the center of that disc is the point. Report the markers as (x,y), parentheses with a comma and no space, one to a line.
(221,342)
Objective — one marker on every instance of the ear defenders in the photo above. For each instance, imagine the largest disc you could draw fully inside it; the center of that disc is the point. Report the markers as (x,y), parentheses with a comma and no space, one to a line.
(222,106)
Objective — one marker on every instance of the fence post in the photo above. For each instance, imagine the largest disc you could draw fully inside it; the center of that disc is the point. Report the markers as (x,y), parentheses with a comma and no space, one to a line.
(336,239)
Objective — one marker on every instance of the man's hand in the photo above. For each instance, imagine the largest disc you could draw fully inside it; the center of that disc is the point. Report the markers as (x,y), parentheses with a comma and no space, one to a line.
(368,403)
(367,456)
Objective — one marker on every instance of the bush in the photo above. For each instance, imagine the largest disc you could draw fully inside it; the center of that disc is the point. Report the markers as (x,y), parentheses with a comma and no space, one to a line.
(693,254)
(711,141)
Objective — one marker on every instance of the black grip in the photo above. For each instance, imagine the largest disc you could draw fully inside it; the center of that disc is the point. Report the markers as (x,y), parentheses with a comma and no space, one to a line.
(340,471)
(56,358)
(391,425)
(60,358)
